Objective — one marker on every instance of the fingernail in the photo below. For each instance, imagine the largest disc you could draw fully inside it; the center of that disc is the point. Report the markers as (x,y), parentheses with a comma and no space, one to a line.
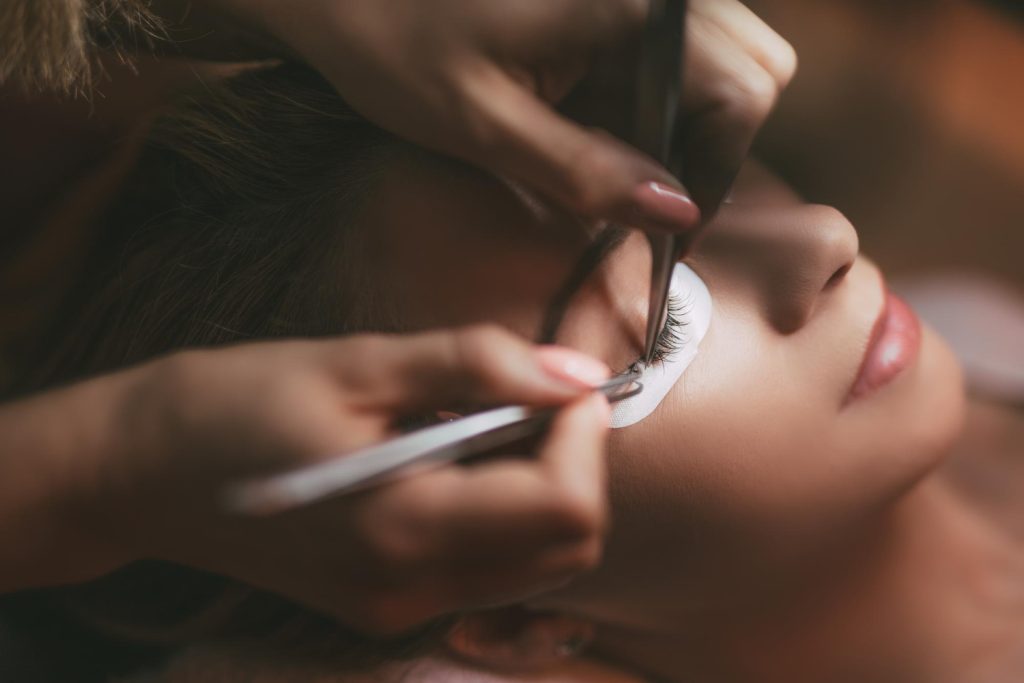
(572,366)
(665,207)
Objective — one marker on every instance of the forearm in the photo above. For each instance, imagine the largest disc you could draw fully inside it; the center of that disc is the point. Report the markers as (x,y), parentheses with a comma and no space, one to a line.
(52,450)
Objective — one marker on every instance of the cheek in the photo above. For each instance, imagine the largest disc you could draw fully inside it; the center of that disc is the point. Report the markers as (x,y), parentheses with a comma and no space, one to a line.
(737,426)
(909,426)
(745,454)
(719,461)
(749,455)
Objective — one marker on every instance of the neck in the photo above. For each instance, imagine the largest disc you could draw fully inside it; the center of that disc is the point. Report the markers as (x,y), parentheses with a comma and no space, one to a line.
(929,586)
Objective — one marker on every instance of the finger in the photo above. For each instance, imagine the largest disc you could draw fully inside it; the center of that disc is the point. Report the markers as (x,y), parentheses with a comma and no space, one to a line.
(502,529)
(573,458)
(590,172)
(470,366)
(514,510)
(758,39)
(730,97)
(549,530)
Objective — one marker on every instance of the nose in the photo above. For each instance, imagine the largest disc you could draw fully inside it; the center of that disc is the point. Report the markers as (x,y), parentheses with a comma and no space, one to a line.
(786,258)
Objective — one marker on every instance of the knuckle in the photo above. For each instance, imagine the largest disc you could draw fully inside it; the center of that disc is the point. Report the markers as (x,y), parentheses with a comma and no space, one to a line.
(757,94)
(585,557)
(390,546)
(591,168)
(479,349)
(585,517)
(184,382)
(480,116)
(355,360)
(781,61)
(753,97)
(396,554)
(484,335)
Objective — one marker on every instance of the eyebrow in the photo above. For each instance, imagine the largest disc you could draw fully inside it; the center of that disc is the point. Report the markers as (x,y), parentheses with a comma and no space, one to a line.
(610,239)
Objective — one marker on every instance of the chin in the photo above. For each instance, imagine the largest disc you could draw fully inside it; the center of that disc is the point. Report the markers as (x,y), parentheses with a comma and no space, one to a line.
(904,432)
(935,416)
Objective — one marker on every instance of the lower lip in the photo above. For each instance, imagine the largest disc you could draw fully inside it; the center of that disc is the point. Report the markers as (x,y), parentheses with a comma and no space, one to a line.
(895,342)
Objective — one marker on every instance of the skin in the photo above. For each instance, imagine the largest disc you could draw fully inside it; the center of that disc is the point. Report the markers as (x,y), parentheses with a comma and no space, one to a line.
(797,537)
(487,95)
(765,398)
(751,506)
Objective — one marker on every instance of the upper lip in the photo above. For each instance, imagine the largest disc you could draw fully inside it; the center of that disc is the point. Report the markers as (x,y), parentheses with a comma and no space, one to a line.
(874,333)
(878,327)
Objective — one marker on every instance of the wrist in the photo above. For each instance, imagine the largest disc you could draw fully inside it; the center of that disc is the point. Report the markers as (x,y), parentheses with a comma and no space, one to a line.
(55,448)
(92,505)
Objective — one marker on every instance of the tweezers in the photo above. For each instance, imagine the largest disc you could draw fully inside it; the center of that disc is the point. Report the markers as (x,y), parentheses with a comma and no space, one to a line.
(414,451)
(656,104)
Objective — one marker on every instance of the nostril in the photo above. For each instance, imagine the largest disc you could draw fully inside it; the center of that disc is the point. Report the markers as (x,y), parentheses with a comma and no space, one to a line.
(838,276)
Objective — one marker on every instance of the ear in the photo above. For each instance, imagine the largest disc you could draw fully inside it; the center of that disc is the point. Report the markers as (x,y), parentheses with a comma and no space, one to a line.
(515,639)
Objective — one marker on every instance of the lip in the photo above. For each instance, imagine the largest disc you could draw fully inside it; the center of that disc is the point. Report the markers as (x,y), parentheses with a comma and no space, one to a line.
(893,347)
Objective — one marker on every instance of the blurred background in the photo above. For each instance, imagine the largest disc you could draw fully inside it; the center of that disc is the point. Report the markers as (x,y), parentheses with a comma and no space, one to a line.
(909,116)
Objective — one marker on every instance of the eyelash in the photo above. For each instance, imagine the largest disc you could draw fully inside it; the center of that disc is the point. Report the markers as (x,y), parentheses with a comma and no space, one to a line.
(668,342)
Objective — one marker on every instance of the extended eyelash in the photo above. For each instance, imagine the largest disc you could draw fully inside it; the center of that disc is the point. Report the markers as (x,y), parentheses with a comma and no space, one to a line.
(669,340)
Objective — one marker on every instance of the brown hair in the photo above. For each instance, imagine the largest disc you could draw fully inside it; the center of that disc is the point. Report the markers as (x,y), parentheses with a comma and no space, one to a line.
(52,43)
(231,229)
(239,223)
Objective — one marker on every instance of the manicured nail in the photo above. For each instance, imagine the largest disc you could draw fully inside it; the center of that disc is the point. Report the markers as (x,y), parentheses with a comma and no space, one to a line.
(665,207)
(572,366)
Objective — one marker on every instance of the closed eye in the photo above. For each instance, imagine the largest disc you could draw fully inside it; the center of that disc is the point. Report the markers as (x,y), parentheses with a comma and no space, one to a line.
(670,340)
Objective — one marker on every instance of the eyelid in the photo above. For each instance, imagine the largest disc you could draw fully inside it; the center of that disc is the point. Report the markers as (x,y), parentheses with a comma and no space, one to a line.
(659,378)
(668,341)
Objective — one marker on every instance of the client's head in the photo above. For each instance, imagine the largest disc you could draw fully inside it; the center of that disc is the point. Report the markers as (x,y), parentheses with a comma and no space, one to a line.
(268,210)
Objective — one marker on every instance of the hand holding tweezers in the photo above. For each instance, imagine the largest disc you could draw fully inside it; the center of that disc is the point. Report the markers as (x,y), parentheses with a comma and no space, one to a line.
(656,106)
(429,447)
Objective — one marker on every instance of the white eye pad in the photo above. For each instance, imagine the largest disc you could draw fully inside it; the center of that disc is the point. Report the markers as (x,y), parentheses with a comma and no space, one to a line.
(658,378)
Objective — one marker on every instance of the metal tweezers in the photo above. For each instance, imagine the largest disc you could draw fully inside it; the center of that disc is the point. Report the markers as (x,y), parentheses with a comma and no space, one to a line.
(656,104)
(417,450)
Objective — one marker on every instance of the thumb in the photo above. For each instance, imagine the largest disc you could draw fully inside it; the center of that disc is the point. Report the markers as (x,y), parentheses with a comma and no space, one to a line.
(469,366)
(586,170)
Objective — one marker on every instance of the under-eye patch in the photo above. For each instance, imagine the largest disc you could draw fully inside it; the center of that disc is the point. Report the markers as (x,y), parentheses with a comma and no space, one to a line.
(684,332)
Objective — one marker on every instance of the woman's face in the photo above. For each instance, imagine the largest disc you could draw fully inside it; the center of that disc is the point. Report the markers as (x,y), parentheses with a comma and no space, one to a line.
(758,462)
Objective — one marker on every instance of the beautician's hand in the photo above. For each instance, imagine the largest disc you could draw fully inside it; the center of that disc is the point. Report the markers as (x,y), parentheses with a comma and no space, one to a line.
(478,78)
(384,559)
